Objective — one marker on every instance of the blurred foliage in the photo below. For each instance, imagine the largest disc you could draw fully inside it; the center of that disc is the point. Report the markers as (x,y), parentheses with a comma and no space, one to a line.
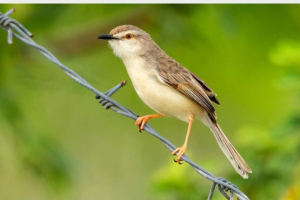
(171,182)
(57,142)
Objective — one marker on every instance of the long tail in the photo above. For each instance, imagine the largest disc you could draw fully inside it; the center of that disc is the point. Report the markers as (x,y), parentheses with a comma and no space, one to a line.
(231,153)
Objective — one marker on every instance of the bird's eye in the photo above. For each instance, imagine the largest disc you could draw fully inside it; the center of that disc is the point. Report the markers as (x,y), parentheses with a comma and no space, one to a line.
(128,36)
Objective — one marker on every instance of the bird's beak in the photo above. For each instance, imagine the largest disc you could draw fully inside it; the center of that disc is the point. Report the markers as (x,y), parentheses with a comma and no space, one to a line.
(107,37)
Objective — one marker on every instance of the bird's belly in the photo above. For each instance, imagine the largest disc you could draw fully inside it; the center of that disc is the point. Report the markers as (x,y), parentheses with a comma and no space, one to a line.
(169,102)
(166,100)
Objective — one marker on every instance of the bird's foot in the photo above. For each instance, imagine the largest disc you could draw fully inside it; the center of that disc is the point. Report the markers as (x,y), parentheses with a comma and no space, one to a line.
(141,121)
(180,151)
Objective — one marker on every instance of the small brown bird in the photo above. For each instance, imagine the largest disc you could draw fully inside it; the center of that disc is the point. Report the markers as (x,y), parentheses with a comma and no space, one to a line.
(169,88)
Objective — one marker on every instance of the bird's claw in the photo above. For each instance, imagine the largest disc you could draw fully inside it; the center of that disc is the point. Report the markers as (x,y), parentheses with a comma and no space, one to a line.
(180,163)
(141,121)
(179,153)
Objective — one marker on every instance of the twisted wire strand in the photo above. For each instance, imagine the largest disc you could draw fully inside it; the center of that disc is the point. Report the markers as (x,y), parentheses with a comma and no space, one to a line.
(14,28)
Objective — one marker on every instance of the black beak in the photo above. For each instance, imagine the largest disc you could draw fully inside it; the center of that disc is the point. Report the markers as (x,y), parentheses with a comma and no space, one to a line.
(107,37)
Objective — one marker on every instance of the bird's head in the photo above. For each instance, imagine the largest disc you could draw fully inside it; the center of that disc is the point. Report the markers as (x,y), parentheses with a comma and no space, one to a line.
(127,41)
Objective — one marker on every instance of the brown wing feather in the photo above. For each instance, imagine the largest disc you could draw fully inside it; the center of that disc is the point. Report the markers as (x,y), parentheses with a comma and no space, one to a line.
(207,89)
(182,80)
(199,96)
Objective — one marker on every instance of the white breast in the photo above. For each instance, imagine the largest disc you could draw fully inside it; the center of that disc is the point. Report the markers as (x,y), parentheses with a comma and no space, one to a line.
(161,98)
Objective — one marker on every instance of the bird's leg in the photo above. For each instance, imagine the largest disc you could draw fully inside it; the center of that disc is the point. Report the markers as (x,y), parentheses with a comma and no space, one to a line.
(181,150)
(141,121)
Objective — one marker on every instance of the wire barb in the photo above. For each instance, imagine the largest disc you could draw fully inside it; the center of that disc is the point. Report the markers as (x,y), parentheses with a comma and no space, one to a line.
(14,28)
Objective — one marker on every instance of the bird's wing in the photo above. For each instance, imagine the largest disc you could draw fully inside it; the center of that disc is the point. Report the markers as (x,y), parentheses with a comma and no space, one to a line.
(210,93)
(183,81)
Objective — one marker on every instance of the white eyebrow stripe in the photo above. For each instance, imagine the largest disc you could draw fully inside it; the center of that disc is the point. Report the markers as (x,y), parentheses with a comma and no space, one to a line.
(121,34)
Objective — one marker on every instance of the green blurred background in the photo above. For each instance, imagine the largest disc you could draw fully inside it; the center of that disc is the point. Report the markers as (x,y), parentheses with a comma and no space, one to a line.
(57,142)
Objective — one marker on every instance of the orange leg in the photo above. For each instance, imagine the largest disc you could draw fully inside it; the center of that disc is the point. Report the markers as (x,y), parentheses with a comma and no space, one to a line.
(181,150)
(141,121)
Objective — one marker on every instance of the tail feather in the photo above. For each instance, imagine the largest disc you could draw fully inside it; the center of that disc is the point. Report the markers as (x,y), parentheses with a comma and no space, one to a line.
(231,153)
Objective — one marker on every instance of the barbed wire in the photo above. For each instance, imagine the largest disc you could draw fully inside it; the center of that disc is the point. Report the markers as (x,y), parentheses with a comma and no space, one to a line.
(14,28)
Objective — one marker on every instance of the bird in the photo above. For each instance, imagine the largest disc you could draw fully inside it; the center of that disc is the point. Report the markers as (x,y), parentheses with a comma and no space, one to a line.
(169,89)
